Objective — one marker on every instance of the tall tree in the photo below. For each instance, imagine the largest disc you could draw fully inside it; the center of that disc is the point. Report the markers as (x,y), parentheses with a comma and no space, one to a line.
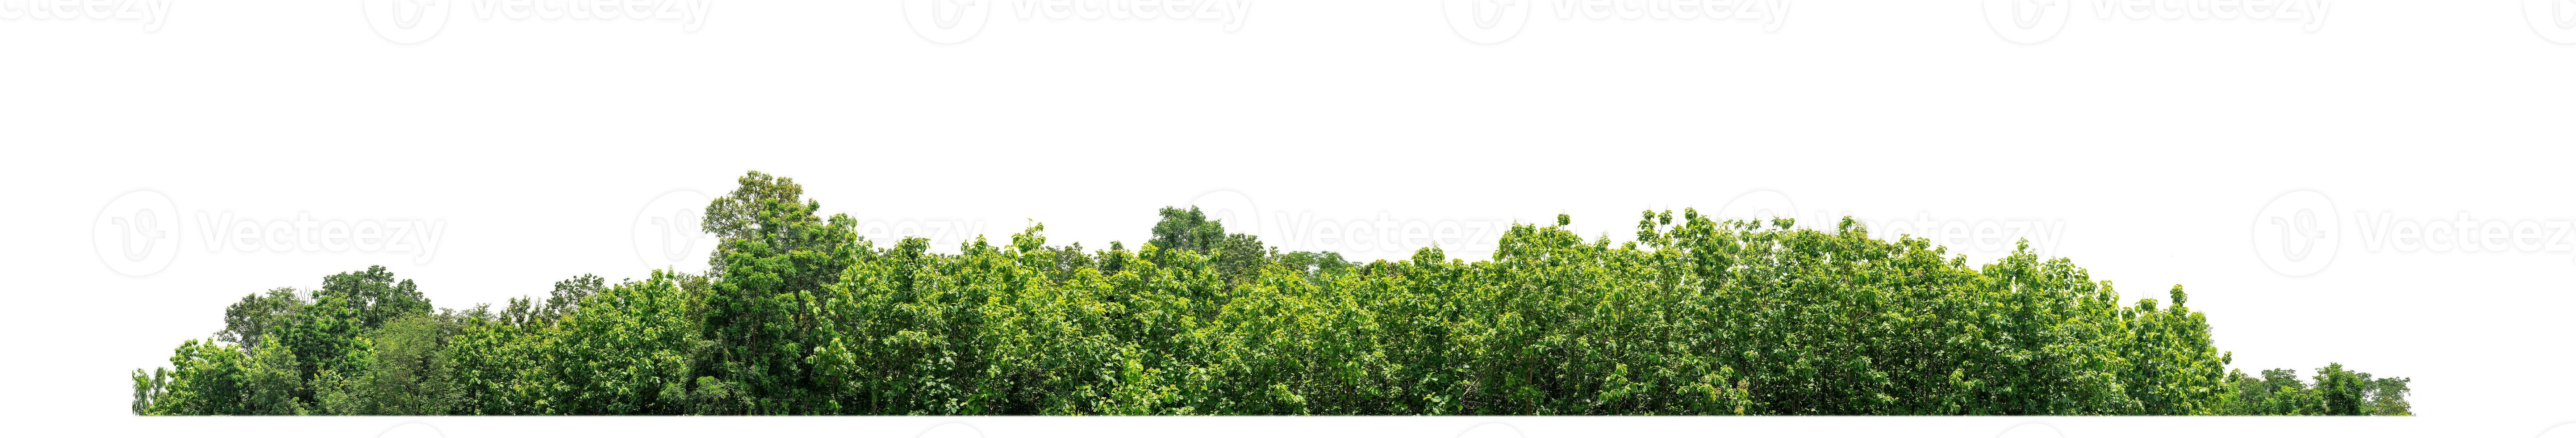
(1237,256)
(737,215)
(249,321)
(777,256)
(376,295)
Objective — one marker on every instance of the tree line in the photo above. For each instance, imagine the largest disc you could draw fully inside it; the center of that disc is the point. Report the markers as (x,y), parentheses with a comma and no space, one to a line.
(1697,316)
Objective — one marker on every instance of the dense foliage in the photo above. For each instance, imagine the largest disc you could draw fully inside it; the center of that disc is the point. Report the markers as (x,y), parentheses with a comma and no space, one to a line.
(1696,316)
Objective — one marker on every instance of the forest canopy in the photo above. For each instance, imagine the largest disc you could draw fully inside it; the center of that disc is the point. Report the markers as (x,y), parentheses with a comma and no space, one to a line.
(1696,316)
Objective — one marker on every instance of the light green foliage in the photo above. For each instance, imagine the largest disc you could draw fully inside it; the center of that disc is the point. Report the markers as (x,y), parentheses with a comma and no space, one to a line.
(271,380)
(204,378)
(624,351)
(2388,396)
(1695,316)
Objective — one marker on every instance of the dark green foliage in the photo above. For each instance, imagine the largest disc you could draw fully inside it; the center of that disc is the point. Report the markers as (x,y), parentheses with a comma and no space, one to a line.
(400,372)
(257,314)
(1238,257)
(376,296)
(1695,317)
(777,256)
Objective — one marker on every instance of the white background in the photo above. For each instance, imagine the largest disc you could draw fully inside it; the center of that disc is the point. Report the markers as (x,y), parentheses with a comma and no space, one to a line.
(2153,146)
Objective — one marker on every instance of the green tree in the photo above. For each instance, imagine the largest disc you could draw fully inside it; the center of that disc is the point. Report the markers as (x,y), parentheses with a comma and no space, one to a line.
(1238,257)
(776,257)
(624,352)
(1695,316)
(378,297)
(2388,396)
(2342,391)
(399,372)
(248,321)
(204,378)
(272,380)
(325,337)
